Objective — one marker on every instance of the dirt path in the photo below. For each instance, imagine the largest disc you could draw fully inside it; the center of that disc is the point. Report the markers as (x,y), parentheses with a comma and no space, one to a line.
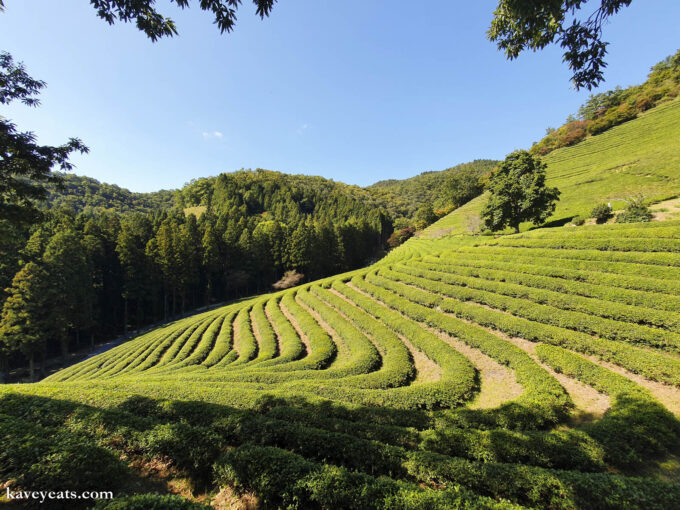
(279,344)
(590,403)
(296,327)
(344,353)
(667,394)
(236,335)
(498,382)
(426,369)
(255,330)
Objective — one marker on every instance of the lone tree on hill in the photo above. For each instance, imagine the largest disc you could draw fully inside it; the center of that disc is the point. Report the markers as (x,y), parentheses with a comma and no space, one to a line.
(519,193)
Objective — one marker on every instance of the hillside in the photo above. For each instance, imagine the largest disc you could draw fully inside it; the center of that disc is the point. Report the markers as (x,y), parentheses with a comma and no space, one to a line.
(402,198)
(527,369)
(537,370)
(639,157)
(85,194)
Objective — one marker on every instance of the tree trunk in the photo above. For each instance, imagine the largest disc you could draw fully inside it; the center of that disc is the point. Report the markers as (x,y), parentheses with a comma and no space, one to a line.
(517,229)
(31,366)
(92,341)
(165,305)
(63,341)
(3,368)
(43,372)
(125,316)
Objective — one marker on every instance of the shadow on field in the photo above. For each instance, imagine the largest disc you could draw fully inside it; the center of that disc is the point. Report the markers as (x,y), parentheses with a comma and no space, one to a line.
(52,444)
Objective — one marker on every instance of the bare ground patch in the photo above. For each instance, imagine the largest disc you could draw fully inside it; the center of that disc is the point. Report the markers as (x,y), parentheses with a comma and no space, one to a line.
(236,335)
(590,403)
(668,395)
(666,210)
(255,330)
(498,383)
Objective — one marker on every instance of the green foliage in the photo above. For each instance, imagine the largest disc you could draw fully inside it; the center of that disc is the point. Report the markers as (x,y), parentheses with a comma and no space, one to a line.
(636,212)
(25,166)
(156,26)
(425,216)
(402,198)
(578,221)
(87,195)
(519,193)
(637,157)
(601,212)
(25,319)
(149,502)
(530,24)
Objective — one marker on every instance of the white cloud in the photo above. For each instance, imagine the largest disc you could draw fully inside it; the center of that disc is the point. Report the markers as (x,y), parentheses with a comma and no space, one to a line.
(212,134)
(302,129)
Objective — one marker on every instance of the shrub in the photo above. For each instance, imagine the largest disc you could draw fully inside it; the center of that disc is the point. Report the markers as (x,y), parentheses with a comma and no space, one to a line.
(578,221)
(601,213)
(636,212)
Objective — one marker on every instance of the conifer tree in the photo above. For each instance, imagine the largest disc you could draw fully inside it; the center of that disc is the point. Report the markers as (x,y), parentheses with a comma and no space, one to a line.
(25,324)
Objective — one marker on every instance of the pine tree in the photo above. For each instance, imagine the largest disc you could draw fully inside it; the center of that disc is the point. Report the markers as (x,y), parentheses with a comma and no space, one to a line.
(130,247)
(25,324)
(69,276)
(211,259)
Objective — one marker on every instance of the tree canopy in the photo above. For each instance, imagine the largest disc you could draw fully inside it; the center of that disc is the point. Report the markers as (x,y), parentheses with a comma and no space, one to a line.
(534,24)
(519,193)
(24,165)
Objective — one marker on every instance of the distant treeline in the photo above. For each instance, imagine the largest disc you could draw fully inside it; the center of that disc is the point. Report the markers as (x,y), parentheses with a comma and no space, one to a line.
(105,260)
(608,109)
(88,195)
(98,273)
(438,190)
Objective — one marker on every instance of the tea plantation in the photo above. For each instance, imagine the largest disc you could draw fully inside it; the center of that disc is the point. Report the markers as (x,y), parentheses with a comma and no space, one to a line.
(538,370)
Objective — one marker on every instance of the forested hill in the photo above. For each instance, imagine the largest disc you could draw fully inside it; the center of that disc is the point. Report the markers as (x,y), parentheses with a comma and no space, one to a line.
(88,195)
(402,198)
(275,195)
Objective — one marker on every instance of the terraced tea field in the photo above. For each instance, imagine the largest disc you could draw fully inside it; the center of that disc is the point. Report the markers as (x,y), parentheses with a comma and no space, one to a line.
(537,370)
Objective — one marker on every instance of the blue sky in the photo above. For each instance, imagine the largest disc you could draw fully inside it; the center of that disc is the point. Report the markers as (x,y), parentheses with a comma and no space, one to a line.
(356,91)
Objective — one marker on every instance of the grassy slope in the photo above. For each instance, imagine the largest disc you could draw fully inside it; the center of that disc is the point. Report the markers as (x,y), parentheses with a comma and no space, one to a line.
(640,156)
